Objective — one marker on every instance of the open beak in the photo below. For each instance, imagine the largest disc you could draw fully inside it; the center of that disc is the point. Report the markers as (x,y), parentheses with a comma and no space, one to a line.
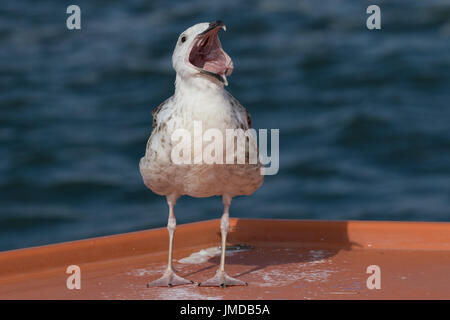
(213,25)
(208,56)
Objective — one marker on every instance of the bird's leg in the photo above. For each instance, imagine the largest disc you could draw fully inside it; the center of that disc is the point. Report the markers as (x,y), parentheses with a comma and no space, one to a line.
(221,279)
(170,278)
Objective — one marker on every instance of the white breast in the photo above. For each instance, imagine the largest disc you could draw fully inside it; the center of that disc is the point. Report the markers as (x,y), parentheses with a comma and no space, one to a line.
(213,110)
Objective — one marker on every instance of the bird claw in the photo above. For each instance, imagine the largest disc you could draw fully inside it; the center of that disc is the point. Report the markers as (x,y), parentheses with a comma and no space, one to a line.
(221,279)
(169,279)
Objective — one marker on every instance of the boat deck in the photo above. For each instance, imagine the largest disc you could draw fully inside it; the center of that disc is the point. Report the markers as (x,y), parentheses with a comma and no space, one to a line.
(280,259)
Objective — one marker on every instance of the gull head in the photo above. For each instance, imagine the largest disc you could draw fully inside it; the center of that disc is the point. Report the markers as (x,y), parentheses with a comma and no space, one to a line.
(198,53)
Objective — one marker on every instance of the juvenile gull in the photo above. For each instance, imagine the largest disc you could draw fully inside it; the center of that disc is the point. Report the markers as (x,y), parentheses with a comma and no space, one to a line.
(201,68)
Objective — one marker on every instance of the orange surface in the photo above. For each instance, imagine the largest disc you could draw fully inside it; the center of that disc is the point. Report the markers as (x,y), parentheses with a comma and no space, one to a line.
(289,260)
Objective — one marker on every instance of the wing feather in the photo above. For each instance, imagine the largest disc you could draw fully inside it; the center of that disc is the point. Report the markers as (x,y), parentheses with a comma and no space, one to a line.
(156,111)
(240,109)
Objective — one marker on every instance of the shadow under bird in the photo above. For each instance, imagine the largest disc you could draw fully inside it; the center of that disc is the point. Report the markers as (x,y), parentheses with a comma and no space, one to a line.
(202,67)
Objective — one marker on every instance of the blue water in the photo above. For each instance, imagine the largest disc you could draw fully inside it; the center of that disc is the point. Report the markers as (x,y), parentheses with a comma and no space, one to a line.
(364,116)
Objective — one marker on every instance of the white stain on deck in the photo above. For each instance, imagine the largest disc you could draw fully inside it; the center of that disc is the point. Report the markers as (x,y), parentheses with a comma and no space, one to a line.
(147,271)
(318,269)
(184,293)
(202,256)
(205,254)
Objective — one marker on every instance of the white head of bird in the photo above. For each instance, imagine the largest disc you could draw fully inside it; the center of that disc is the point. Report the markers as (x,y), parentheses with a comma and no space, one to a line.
(198,57)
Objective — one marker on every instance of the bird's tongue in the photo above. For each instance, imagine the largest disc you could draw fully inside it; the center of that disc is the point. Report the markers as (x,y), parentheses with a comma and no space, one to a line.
(217,63)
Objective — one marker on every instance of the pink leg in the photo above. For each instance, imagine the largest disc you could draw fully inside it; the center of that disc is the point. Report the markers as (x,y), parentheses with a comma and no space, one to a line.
(170,278)
(221,279)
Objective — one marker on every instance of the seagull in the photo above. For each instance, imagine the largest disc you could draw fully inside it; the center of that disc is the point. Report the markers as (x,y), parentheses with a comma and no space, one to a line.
(202,67)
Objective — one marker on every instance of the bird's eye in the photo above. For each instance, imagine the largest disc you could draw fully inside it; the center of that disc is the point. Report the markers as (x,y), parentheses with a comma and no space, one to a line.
(183,39)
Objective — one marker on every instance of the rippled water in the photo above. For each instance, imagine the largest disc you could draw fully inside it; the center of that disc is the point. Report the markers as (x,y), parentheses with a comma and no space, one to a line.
(363,115)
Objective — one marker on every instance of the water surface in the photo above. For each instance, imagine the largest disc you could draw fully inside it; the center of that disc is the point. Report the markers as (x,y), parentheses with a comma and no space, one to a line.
(363,115)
